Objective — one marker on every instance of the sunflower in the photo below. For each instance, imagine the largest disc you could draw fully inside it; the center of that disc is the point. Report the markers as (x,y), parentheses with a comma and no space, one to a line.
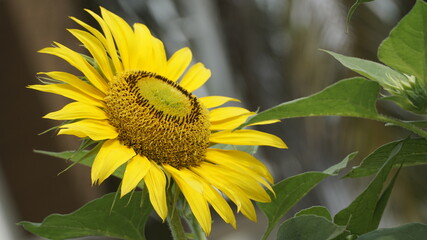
(139,107)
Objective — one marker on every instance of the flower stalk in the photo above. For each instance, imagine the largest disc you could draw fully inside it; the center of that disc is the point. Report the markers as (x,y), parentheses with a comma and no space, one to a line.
(174,220)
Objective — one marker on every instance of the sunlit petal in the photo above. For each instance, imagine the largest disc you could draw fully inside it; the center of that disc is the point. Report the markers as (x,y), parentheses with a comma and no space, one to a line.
(216,101)
(247,137)
(136,169)
(77,110)
(94,129)
(111,156)
(96,49)
(195,199)
(155,180)
(178,63)
(196,76)
(68,91)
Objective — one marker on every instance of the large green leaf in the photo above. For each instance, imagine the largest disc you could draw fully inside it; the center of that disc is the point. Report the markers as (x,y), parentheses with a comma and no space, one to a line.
(289,191)
(412,231)
(309,227)
(320,211)
(364,213)
(412,153)
(405,49)
(109,216)
(371,70)
(353,97)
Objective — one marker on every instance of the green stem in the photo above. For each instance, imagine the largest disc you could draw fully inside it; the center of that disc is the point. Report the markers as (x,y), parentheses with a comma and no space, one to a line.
(174,221)
(195,227)
(267,232)
(407,126)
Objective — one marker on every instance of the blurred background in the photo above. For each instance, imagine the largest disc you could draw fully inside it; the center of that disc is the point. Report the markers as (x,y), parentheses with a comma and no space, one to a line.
(264,52)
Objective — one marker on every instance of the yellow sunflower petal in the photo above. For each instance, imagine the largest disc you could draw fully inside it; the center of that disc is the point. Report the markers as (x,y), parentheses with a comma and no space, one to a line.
(159,57)
(136,169)
(109,42)
(122,33)
(247,208)
(72,132)
(215,101)
(95,129)
(215,199)
(220,205)
(265,122)
(92,30)
(237,195)
(79,62)
(76,82)
(247,137)
(77,110)
(246,182)
(155,180)
(143,57)
(195,199)
(238,160)
(68,92)
(219,114)
(111,156)
(230,123)
(96,49)
(177,64)
(196,76)
(228,117)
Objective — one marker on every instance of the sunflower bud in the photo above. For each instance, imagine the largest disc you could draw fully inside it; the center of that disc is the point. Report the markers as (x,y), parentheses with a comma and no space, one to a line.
(407,91)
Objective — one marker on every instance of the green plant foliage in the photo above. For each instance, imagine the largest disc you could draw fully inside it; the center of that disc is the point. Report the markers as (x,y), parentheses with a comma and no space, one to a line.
(412,231)
(309,227)
(364,213)
(412,153)
(405,49)
(291,190)
(354,97)
(83,157)
(320,211)
(420,124)
(109,216)
(353,9)
(371,70)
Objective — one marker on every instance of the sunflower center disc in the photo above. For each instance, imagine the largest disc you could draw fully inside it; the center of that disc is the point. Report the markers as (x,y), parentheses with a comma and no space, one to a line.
(158,119)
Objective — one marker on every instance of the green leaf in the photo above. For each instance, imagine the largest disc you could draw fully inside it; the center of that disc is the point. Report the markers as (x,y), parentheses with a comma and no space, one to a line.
(405,49)
(309,227)
(83,157)
(382,201)
(109,216)
(335,169)
(420,124)
(412,231)
(320,211)
(412,153)
(353,9)
(353,97)
(363,214)
(289,191)
(371,70)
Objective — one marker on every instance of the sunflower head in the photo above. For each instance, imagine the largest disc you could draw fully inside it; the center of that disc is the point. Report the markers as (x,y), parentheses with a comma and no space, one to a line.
(140,108)
(407,91)
(158,119)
